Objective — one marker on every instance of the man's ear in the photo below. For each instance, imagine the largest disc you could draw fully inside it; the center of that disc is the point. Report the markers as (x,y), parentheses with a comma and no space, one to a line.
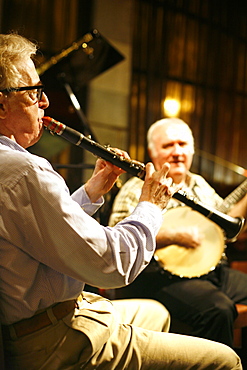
(3,105)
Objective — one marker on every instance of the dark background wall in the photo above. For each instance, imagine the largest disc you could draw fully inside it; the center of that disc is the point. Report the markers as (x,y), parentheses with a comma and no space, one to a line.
(194,51)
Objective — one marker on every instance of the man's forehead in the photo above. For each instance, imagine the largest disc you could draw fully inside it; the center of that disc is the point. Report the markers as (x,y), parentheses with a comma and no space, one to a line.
(177,133)
(27,69)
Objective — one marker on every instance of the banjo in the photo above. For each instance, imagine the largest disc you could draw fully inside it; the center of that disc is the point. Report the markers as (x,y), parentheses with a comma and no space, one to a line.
(195,262)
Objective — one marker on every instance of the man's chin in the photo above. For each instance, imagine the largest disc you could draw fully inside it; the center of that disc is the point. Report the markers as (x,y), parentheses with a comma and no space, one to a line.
(177,171)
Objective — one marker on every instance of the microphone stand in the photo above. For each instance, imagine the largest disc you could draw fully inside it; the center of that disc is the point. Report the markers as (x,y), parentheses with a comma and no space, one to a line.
(87,130)
(103,214)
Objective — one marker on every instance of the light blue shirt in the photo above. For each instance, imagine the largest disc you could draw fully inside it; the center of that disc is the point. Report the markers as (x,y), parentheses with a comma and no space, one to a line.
(51,246)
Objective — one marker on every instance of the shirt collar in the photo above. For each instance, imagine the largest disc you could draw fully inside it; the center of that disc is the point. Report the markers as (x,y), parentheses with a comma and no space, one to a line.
(11,144)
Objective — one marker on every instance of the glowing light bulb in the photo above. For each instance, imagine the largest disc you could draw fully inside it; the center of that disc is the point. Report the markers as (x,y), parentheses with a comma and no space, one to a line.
(171,107)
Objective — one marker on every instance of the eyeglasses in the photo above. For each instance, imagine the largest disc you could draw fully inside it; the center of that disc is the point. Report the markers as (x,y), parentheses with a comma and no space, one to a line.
(34,95)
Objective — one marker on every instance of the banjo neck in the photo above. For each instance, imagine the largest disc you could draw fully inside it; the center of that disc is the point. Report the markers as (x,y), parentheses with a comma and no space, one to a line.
(233,197)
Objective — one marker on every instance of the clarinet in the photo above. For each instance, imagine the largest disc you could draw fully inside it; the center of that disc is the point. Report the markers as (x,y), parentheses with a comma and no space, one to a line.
(231,225)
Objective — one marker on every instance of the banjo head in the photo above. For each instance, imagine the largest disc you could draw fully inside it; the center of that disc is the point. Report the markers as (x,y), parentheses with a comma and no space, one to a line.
(191,262)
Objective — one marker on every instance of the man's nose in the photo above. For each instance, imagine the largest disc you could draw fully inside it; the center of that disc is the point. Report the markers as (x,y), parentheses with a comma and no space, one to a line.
(44,102)
(177,149)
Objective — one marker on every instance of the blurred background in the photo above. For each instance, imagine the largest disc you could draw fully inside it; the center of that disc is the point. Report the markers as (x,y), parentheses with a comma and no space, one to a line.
(113,67)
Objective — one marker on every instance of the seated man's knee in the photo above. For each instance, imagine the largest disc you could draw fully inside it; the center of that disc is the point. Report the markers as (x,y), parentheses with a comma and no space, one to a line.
(160,313)
(226,309)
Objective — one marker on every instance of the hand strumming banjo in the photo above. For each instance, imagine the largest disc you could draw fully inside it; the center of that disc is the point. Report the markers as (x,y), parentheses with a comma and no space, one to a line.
(216,219)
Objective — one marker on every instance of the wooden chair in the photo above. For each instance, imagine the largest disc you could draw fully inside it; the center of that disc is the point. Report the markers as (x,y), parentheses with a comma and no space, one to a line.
(240,328)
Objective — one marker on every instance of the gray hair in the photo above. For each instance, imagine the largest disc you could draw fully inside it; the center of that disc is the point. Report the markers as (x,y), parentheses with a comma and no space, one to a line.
(165,122)
(13,49)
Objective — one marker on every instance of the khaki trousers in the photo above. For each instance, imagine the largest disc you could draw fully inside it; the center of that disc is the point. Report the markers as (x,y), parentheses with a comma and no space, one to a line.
(117,335)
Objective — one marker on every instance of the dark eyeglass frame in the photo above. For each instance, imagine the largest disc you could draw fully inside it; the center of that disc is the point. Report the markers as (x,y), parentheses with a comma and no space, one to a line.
(39,88)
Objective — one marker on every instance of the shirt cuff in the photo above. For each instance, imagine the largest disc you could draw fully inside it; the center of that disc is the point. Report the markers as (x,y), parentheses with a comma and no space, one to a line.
(80,196)
(149,214)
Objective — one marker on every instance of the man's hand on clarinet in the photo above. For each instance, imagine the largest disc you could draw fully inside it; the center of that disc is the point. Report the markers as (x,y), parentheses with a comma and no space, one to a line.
(104,176)
(157,188)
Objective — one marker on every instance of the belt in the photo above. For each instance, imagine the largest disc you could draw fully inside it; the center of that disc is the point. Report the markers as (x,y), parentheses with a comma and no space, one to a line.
(39,320)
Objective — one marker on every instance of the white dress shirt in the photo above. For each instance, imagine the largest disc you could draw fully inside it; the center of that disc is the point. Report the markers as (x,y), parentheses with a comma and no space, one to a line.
(51,246)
